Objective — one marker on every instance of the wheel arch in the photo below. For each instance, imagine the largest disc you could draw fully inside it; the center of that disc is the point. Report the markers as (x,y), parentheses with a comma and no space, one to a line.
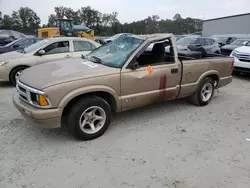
(211,74)
(26,66)
(106,95)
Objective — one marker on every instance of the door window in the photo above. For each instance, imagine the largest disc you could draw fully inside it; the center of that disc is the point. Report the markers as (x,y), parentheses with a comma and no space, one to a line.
(158,55)
(209,42)
(82,46)
(201,41)
(57,47)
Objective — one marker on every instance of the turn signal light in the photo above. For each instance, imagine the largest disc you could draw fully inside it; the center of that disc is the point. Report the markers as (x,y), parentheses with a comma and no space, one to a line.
(42,100)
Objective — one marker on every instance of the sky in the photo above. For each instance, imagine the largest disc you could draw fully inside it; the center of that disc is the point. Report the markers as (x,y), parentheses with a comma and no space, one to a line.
(133,10)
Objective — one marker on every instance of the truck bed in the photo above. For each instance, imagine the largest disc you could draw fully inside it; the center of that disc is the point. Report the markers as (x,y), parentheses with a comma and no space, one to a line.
(193,55)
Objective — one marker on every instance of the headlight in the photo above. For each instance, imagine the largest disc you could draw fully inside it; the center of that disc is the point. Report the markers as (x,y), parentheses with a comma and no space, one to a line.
(3,63)
(39,99)
(234,53)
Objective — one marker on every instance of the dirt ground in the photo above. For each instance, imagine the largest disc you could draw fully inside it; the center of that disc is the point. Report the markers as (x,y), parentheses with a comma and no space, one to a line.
(174,145)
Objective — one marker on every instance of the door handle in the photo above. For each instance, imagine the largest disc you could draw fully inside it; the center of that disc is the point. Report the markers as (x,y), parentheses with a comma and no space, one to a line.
(174,71)
(67,56)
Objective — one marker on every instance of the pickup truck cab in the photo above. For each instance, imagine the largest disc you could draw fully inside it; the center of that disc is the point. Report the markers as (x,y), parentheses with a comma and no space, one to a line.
(83,93)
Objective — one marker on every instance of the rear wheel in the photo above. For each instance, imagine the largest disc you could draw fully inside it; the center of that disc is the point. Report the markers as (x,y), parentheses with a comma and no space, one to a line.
(15,73)
(204,92)
(89,118)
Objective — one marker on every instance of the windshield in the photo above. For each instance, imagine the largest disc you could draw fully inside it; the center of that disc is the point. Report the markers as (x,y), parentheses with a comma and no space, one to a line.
(116,53)
(185,41)
(221,39)
(35,46)
(13,42)
(238,42)
(66,25)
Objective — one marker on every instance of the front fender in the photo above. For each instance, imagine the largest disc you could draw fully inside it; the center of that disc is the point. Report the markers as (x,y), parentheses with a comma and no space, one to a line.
(89,89)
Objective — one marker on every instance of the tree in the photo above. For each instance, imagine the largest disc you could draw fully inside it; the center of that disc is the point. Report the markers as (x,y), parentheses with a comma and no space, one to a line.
(51,19)
(27,19)
(6,22)
(60,11)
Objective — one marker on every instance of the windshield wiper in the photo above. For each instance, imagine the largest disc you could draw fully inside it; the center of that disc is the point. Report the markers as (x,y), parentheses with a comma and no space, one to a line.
(97,59)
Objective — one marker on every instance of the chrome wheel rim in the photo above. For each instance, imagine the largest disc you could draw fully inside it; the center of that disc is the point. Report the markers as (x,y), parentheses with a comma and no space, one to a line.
(206,92)
(18,74)
(92,120)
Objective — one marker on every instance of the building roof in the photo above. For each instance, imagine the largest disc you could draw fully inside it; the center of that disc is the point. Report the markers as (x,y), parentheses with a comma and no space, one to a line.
(237,15)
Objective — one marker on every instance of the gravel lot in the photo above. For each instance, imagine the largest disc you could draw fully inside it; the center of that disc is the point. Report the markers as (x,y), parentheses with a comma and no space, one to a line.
(173,145)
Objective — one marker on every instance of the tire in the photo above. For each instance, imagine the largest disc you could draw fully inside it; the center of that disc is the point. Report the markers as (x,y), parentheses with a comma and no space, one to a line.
(14,73)
(197,99)
(83,108)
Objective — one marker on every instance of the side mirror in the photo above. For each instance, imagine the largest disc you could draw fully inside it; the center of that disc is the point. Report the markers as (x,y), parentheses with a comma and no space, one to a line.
(15,45)
(198,45)
(134,65)
(41,52)
(221,44)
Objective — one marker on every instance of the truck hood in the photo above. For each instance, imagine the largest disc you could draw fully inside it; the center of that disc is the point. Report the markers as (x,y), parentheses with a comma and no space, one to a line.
(53,73)
(229,47)
(243,49)
(11,55)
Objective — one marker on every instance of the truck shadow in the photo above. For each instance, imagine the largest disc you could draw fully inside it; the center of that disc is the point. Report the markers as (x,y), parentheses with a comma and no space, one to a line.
(242,77)
(6,85)
(122,122)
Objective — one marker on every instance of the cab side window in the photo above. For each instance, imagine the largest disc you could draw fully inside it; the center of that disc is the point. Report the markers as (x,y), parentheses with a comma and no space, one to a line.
(82,46)
(57,47)
(159,53)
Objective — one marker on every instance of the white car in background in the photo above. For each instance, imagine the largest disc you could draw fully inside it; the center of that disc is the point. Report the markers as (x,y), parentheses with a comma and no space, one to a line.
(242,59)
(46,50)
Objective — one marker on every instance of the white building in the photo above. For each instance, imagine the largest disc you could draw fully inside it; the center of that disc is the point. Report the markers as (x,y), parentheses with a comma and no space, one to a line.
(236,24)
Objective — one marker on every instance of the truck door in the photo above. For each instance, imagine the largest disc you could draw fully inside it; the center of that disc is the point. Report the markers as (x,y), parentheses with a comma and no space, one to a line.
(156,79)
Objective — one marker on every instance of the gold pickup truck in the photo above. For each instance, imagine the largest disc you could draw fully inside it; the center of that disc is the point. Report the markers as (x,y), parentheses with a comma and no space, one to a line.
(82,93)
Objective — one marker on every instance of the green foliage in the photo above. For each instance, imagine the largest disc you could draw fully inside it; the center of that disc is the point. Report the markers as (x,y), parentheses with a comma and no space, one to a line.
(26,20)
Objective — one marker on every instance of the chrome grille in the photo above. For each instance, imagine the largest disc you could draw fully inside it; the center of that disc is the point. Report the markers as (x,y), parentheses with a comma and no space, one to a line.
(25,94)
(244,57)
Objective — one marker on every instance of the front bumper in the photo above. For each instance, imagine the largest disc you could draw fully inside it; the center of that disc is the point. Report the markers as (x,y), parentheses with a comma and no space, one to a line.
(241,66)
(4,73)
(42,118)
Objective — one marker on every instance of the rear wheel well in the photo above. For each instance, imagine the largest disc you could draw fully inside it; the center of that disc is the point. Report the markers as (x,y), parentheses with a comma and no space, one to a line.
(215,77)
(105,95)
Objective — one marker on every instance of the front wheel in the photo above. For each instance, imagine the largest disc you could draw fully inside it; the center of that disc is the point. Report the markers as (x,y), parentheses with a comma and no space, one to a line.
(89,118)
(15,73)
(204,92)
